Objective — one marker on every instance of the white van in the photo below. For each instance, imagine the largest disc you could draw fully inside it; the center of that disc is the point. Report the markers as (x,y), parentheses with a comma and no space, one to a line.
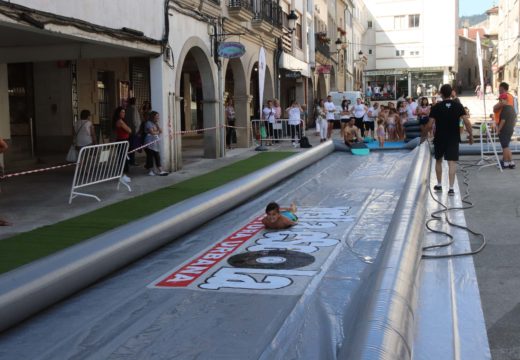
(338,96)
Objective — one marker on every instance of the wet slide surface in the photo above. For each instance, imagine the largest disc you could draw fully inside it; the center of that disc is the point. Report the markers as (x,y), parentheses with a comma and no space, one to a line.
(231,289)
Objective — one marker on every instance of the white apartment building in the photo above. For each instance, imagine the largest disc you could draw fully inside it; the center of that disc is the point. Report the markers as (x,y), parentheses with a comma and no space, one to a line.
(508,42)
(415,48)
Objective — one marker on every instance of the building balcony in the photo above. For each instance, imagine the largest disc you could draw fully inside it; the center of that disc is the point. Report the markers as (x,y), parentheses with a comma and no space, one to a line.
(241,10)
(268,18)
(322,45)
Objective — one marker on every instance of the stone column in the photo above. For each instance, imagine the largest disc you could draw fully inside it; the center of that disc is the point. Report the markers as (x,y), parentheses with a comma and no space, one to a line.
(211,119)
(243,115)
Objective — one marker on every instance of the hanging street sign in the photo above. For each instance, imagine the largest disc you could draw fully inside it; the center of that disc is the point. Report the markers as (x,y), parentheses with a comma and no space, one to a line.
(231,50)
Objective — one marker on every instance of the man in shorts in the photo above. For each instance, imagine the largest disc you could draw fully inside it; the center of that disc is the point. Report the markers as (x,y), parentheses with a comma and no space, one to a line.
(505,130)
(352,134)
(446,116)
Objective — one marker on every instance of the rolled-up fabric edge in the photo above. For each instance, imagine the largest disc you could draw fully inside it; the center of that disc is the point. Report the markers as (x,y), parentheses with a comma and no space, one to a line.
(384,326)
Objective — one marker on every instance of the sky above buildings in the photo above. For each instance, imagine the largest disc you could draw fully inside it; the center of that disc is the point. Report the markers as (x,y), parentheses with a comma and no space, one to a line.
(475,7)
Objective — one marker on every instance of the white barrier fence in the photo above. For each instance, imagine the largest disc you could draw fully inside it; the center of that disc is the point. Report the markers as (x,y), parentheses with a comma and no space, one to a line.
(97,164)
(281,130)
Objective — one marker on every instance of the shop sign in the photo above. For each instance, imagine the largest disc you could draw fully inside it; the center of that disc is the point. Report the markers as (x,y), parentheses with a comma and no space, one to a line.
(293,75)
(323,69)
(231,50)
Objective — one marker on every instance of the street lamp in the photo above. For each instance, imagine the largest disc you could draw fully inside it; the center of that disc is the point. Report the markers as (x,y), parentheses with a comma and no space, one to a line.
(291,18)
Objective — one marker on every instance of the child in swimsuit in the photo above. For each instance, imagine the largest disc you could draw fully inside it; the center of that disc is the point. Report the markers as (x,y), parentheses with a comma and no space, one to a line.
(381,132)
(390,125)
(279,218)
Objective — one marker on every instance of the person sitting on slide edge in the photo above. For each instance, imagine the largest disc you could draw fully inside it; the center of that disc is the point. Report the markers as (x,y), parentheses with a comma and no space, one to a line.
(279,218)
(352,134)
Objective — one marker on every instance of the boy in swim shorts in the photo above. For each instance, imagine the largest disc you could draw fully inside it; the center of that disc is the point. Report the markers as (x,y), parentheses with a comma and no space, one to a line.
(279,218)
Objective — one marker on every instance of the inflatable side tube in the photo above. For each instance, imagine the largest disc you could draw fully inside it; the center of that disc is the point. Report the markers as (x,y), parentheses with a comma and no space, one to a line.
(384,328)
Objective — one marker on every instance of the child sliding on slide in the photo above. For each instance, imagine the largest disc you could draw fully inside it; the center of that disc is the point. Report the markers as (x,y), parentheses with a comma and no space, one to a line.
(279,218)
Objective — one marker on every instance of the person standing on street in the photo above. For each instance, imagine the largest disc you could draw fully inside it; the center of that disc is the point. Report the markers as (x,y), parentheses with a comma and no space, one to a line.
(505,130)
(446,116)
(122,133)
(231,133)
(330,109)
(503,89)
(359,110)
(133,120)
(295,122)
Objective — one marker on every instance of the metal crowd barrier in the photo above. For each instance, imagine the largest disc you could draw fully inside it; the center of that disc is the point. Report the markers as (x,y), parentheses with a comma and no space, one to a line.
(278,131)
(97,164)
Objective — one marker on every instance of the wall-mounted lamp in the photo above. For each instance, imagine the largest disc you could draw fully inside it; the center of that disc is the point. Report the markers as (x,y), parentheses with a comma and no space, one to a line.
(340,44)
(292,17)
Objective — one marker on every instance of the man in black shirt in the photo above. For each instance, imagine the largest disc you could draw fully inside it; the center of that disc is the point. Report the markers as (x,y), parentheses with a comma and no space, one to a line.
(447,115)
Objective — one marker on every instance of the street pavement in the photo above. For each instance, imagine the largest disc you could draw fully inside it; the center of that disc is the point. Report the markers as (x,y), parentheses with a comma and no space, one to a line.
(40,199)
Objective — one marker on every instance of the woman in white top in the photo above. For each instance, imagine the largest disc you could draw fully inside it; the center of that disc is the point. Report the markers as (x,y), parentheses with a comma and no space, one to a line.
(359,110)
(322,121)
(84,130)
(294,115)
(231,134)
(330,110)
(269,114)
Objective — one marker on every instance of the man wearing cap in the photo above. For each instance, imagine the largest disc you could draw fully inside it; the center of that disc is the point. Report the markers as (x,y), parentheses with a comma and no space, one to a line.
(503,88)
(446,116)
(505,130)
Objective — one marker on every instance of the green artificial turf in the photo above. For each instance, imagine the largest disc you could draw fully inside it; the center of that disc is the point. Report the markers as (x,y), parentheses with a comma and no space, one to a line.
(29,246)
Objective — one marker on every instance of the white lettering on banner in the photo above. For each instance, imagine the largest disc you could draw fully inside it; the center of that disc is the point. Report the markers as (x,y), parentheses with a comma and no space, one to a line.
(316,225)
(214,256)
(194,269)
(199,262)
(209,270)
(179,277)
(241,278)
(324,214)
(306,242)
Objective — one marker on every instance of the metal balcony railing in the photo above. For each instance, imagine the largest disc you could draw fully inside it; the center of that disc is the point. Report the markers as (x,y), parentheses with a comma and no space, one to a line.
(240,4)
(268,11)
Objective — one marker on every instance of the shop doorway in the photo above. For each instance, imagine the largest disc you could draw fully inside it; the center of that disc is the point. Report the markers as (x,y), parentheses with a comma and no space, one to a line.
(21,112)
(106,105)
(198,108)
